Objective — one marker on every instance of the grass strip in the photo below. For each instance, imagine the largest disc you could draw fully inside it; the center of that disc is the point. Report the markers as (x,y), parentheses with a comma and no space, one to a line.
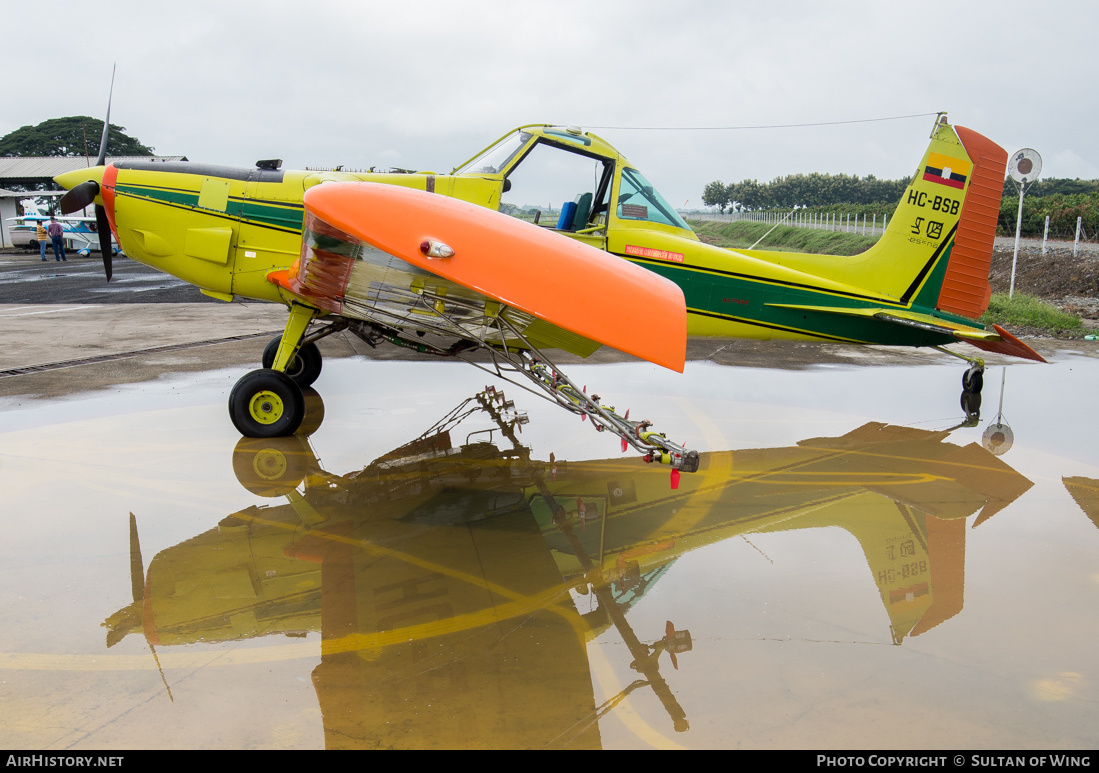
(742,234)
(1029,311)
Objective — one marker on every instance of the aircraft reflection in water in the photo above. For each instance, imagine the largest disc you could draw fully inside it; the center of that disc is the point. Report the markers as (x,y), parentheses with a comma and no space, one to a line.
(441,576)
(1086,493)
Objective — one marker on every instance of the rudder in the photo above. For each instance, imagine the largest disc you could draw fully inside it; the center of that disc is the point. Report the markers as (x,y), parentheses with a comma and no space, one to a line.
(965,288)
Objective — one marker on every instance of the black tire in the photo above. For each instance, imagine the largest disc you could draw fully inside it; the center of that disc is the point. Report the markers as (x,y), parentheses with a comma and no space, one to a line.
(973,380)
(271,467)
(266,404)
(304,368)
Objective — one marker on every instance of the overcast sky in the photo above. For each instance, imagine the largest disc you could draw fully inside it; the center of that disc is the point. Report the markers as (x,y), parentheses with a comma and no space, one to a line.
(426,85)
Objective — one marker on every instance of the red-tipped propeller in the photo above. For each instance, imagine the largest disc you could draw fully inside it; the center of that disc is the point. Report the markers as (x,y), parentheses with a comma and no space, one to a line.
(83,195)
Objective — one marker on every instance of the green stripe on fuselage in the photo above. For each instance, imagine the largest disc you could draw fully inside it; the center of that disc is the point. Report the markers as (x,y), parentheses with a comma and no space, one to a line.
(265,214)
(756,301)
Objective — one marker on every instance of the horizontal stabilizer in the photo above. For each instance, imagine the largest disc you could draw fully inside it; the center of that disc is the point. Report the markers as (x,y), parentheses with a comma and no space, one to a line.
(1008,344)
(998,340)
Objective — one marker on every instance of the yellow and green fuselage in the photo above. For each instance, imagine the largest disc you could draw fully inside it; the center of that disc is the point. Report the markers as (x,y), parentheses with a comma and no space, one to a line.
(226,229)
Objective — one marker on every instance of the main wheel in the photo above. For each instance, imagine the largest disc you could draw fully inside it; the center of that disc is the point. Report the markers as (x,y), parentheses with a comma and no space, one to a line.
(266,403)
(304,368)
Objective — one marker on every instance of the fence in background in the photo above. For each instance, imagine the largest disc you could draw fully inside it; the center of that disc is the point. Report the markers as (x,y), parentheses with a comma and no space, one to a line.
(867,224)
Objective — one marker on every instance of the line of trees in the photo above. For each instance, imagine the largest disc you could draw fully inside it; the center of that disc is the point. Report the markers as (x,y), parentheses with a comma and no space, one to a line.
(805,190)
(1051,187)
(1062,199)
(1062,210)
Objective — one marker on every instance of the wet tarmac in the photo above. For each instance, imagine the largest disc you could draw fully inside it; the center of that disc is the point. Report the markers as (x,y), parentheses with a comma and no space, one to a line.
(433,567)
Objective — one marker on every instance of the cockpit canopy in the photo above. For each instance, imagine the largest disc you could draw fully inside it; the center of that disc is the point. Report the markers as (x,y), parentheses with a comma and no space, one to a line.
(570,180)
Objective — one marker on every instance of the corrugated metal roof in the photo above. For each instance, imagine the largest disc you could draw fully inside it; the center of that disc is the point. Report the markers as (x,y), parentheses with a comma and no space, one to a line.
(6,194)
(48,167)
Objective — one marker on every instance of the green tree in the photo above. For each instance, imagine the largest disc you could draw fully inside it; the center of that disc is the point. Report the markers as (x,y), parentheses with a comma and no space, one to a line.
(749,195)
(75,135)
(716,194)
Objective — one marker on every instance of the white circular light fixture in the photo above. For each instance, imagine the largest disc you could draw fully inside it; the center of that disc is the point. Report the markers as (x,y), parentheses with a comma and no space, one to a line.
(1025,166)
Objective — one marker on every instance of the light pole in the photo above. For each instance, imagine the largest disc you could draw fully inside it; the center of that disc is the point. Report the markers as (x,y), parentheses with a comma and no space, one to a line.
(1024,166)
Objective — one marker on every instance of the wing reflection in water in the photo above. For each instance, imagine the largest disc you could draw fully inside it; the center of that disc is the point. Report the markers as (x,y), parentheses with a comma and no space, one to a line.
(442,576)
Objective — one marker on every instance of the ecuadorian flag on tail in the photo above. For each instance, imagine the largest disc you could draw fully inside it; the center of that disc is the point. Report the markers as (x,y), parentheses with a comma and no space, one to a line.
(946,170)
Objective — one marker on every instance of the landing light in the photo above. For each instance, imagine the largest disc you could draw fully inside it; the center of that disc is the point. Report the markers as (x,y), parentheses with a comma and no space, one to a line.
(434,249)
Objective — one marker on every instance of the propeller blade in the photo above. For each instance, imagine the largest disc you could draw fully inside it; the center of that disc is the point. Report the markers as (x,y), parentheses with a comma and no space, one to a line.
(106,124)
(103,226)
(137,568)
(79,197)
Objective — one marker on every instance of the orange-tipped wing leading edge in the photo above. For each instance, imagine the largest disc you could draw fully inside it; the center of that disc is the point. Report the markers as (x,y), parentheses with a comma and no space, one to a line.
(555,278)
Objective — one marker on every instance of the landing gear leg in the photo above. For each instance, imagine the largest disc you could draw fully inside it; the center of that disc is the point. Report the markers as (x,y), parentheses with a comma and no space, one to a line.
(290,340)
(305,366)
(269,403)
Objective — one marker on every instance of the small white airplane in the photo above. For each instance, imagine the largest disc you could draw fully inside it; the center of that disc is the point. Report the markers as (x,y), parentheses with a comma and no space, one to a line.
(82,232)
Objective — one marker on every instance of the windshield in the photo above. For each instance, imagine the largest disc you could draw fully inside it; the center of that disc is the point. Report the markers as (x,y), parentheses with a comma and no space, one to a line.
(495,159)
(638,200)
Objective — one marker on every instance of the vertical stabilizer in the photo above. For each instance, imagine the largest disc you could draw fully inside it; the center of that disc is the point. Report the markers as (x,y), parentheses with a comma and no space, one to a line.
(937,249)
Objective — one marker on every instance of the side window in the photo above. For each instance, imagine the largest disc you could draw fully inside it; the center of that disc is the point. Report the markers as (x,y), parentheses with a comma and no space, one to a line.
(556,187)
(638,200)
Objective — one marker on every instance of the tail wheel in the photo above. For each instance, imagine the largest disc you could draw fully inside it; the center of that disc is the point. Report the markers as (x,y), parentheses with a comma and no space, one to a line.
(971,403)
(973,380)
(304,368)
(266,403)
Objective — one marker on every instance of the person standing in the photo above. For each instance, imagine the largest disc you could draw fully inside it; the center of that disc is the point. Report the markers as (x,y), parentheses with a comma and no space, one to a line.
(55,231)
(40,234)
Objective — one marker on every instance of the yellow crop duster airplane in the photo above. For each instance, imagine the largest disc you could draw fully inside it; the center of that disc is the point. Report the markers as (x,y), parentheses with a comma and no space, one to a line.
(433,262)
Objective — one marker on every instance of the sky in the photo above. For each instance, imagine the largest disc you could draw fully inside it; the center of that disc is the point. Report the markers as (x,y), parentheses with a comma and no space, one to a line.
(427,85)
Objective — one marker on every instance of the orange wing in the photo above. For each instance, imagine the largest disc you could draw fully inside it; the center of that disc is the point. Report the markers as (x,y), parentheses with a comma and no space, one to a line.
(550,276)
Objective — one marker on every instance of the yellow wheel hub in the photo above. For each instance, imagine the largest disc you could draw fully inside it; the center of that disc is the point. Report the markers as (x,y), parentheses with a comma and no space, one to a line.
(265,407)
(269,464)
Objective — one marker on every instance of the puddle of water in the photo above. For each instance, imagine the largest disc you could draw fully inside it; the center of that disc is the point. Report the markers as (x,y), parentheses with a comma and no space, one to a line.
(850,568)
